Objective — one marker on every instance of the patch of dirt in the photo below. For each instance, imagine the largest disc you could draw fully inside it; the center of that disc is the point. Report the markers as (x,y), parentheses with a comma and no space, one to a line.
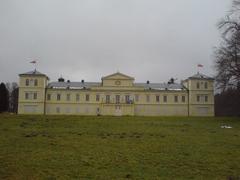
(35,134)
(128,176)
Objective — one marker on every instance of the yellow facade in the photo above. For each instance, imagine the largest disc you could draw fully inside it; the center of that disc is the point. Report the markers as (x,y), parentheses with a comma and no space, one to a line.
(116,95)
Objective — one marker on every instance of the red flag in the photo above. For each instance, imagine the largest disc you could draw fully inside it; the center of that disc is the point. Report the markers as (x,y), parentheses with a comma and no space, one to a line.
(33,62)
(199,65)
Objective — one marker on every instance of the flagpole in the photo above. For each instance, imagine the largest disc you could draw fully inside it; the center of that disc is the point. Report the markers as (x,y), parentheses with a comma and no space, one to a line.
(34,62)
(199,66)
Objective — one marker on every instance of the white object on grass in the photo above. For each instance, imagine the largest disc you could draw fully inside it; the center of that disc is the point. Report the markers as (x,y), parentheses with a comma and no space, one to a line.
(225,126)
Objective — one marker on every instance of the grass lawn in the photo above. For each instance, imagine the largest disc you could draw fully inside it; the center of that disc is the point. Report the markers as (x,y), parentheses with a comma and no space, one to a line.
(84,147)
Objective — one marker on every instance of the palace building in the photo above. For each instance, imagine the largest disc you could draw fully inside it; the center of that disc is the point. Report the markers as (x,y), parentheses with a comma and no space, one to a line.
(116,95)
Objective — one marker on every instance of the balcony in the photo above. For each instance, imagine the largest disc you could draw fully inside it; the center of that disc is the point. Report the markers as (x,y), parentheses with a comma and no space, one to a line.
(113,101)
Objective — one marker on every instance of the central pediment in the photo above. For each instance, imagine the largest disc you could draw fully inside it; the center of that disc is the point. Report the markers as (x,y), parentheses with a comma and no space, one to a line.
(117,79)
(117,76)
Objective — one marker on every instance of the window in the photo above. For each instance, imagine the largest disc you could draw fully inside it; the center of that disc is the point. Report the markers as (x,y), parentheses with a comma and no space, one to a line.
(27,82)
(157,98)
(77,97)
(97,97)
(127,99)
(31,82)
(198,98)
(206,98)
(58,109)
(107,98)
(205,85)
(136,97)
(183,98)
(58,97)
(87,97)
(164,98)
(198,85)
(34,95)
(68,97)
(117,99)
(175,98)
(147,98)
(49,97)
(67,110)
(26,96)
(77,110)
(35,82)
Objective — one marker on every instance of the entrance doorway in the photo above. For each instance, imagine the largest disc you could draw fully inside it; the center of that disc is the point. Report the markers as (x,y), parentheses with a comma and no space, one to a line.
(118,110)
(117,99)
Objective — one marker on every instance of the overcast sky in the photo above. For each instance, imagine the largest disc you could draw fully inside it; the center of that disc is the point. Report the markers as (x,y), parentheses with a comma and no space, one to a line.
(87,39)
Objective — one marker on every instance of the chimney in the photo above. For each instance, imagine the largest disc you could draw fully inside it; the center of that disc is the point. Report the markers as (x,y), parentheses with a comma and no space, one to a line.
(61,79)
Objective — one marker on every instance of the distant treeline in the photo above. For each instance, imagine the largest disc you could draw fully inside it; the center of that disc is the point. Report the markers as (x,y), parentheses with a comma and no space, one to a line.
(8,97)
(227,103)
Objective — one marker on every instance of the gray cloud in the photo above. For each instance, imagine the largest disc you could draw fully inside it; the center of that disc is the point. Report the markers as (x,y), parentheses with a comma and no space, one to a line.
(147,39)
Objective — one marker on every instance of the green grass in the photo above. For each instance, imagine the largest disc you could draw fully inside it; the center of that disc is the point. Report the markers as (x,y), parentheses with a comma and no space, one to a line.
(78,147)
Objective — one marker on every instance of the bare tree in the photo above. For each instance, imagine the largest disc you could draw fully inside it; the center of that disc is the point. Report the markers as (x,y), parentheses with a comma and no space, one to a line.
(228,53)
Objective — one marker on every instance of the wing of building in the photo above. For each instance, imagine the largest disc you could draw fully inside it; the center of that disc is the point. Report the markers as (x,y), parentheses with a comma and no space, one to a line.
(117,94)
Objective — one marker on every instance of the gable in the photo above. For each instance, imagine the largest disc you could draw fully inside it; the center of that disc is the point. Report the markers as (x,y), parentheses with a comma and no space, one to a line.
(117,76)
(117,79)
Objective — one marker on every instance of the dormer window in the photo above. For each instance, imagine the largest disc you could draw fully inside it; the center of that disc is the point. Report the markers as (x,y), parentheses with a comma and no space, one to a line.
(27,82)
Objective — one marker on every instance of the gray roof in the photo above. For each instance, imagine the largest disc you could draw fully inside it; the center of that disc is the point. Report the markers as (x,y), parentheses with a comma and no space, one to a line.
(88,85)
(160,86)
(34,72)
(73,85)
(200,76)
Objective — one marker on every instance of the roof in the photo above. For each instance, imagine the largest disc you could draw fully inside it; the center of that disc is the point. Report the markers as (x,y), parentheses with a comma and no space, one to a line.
(88,85)
(160,86)
(34,72)
(200,76)
(73,85)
